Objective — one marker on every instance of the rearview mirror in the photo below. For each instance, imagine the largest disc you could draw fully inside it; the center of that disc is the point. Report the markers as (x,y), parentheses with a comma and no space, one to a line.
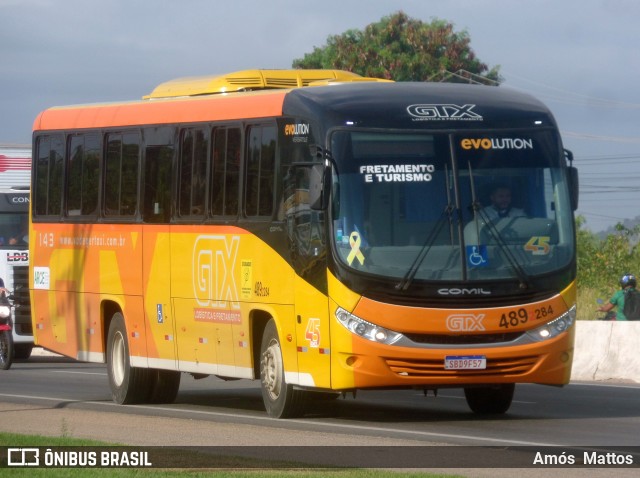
(573,187)
(318,193)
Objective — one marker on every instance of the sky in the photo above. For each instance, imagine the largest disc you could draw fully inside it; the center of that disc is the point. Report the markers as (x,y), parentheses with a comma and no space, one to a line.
(580,57)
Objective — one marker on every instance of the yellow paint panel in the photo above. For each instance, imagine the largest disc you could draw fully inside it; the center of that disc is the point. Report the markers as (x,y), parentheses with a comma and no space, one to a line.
(313,332)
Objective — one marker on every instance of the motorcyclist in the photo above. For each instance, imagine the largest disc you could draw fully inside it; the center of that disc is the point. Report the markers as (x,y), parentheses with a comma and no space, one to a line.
(627,281)
(6,341)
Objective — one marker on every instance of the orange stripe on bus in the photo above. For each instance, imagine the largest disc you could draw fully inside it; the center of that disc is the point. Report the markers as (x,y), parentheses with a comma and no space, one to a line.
(409,319)
(216,108)
(82,229)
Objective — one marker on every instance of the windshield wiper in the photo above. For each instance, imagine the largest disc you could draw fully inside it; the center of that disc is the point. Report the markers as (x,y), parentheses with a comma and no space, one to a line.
(424,250)
(447,213)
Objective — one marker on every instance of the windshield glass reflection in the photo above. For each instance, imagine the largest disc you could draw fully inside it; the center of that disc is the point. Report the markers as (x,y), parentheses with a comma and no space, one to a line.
(450,207)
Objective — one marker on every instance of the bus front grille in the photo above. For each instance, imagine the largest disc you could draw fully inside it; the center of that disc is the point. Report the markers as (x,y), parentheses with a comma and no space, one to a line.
(435,368)
(477,339)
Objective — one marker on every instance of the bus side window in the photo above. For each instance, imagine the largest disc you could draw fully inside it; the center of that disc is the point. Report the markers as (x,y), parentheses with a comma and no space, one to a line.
(157,184)
(48,171)
(260,171)
(83,160)
(192,176)
(121,174)
(225,171)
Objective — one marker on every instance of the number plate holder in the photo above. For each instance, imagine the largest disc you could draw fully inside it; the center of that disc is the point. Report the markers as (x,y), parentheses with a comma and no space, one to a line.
(465,362)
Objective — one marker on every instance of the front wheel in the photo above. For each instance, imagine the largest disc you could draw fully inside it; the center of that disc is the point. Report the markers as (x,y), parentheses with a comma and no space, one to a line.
(6,350)
(128,384)
(281,400)
(490,399)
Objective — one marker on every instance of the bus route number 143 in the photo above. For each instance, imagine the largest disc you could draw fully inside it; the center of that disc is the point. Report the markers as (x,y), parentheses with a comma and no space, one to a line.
(45,239)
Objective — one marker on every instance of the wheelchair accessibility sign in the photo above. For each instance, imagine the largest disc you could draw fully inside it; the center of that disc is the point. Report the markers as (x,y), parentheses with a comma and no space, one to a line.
(477,256)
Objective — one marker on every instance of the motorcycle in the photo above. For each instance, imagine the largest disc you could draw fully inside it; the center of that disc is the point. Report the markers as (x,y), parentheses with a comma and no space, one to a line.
(610,315)
(6,338)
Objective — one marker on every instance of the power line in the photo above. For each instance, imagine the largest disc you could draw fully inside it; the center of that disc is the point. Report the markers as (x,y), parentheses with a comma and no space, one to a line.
(572,96)
(601,215)
(594,137)
(607,158)
(462,75)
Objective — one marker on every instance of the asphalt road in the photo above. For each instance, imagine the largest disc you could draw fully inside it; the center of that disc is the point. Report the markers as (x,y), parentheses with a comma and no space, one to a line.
(53,396)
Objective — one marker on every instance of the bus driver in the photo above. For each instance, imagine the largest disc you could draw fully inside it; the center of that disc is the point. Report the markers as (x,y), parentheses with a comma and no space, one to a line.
(501,204)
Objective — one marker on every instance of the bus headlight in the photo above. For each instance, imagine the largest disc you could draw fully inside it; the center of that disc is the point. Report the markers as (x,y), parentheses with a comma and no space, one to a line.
(365,329)
(555,327)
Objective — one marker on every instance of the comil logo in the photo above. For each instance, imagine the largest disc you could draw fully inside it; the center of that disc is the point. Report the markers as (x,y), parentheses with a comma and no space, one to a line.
(444,113)
(465,322)
(19,199)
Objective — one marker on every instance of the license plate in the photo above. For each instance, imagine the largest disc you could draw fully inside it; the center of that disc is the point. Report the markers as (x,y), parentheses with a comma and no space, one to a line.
(465,362)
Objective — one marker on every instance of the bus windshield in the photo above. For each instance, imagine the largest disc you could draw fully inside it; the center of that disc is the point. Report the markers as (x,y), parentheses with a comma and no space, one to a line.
(14,229)
(473,206)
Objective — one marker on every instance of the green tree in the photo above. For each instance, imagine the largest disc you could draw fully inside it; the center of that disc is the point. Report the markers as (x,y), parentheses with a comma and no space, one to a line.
(402,49)
(601,263)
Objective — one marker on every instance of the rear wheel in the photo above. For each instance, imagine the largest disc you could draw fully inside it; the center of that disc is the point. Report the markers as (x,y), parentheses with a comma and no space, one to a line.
(164,386)
(128,384)
(490,399)
(6,349)
(281,400)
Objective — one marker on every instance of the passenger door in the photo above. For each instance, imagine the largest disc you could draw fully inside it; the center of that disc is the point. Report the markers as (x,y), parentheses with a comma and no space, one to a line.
(156,262)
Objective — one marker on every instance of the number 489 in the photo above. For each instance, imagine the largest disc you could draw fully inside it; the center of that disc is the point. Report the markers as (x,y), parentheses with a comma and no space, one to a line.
(514,318)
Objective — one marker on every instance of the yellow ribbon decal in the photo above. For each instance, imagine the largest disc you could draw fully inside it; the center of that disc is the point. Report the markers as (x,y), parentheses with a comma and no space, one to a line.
(354,242)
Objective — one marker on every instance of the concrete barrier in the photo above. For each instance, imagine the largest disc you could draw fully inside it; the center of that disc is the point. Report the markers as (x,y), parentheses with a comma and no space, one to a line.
(603,351)
(607,351)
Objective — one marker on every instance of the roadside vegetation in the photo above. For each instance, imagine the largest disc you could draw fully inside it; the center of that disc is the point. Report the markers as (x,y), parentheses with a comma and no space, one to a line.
(601,263)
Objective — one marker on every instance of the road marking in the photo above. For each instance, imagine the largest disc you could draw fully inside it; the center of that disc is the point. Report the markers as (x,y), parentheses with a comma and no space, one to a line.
(612,385)
(462,398)
(79,373)
(298,421)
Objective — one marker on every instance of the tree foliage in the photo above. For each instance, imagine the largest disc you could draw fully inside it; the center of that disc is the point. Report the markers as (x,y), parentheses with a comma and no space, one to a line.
(399,48)
(601,262)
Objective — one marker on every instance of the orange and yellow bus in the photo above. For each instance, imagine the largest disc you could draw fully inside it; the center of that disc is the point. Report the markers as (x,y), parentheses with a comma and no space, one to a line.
(315,230)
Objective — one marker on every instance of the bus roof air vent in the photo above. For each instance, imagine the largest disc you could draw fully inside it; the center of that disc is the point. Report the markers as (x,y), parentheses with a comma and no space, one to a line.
(249,80)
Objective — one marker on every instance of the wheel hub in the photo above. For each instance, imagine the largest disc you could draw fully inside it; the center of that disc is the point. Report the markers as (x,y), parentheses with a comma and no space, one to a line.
(272,370)
(118,359)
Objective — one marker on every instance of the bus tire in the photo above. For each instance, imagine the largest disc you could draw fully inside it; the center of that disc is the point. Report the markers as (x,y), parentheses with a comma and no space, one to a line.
(164,386)
(490,399)
(281,400)
(128,384)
